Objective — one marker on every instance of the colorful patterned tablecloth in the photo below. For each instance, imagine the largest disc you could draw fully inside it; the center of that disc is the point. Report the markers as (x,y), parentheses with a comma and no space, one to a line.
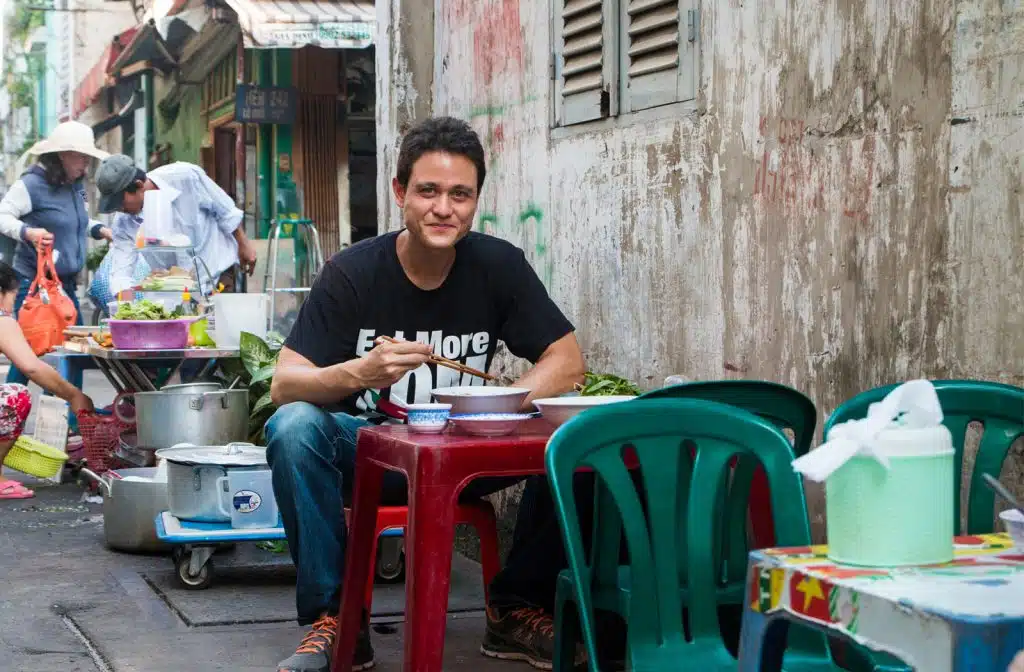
(930,616)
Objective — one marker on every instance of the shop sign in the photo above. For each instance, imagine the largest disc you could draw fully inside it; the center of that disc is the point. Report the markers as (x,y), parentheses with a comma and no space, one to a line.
(265,104)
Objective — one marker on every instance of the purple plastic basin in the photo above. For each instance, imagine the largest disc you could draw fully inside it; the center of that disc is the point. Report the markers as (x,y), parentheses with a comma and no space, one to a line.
(150,334)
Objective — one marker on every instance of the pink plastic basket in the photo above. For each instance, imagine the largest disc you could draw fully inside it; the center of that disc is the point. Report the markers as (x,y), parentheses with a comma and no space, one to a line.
(150,334)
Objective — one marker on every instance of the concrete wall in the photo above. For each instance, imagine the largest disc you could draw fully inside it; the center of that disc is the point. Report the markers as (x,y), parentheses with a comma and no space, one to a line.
(840,208)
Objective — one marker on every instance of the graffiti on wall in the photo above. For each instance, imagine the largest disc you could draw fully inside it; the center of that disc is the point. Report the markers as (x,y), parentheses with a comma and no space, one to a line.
(497,42)
(528,226)
(791,174)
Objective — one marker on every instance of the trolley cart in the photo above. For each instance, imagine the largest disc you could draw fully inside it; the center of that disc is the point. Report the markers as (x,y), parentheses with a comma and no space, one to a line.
(195,543)
(311,239)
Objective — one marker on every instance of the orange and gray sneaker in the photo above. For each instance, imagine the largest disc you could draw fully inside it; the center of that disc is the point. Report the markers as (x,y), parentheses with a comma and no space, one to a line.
(522,633)
(315,650)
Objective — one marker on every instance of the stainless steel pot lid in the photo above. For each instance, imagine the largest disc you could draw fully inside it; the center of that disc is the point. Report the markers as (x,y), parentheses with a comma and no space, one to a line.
(190,388)
(231,455)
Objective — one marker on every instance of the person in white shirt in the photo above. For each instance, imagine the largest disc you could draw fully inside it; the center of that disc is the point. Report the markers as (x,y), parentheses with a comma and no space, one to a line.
(201,210)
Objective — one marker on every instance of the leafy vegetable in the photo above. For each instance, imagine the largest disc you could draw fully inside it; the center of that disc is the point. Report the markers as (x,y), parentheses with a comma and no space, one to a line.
(606,384)
(256,369)
(146,310)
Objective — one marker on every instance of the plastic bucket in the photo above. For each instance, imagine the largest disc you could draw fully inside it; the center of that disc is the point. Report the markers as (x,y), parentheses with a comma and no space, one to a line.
(150,334)
(903,515)
(235,313)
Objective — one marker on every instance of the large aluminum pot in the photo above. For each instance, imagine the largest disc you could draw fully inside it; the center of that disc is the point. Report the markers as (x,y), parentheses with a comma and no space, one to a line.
(131,501)
(197,483)
(201,414)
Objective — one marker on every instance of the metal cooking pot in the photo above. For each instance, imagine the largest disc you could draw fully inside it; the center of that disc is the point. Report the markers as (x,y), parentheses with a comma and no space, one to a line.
(197,478)
(201,414)
(129,509)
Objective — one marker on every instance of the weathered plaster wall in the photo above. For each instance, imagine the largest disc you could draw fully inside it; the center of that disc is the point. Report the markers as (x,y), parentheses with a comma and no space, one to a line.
(842,207)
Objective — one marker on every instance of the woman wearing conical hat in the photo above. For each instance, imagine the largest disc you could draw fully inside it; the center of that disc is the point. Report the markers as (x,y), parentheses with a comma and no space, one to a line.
(47,206)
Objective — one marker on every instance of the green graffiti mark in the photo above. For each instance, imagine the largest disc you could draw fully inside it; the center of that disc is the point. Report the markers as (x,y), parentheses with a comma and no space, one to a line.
(531,212)
(488,223)
(497,110)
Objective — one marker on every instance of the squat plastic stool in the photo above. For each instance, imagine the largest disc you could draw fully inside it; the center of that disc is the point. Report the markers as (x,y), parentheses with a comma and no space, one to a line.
(478,514)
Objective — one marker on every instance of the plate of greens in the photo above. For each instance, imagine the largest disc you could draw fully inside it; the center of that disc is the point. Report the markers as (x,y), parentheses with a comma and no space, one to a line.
(597,389)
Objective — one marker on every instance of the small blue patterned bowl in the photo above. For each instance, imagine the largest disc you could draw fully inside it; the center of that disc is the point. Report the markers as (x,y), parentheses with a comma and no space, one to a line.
(428,418)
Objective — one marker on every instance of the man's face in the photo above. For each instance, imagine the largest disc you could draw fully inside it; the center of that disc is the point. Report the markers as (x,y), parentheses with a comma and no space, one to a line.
(133,200)
(440,201)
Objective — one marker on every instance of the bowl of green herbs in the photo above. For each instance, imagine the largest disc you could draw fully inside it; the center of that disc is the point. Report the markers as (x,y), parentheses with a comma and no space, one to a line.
(598,389)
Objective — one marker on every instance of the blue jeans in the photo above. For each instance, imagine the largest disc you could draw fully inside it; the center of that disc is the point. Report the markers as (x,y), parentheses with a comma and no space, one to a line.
(13,374)
(312,455)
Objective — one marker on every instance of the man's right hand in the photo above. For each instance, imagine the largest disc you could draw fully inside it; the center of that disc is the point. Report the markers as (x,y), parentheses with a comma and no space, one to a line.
(388,362)
(38,237)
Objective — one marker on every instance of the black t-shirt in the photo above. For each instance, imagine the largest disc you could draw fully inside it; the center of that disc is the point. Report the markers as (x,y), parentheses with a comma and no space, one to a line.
(491,293)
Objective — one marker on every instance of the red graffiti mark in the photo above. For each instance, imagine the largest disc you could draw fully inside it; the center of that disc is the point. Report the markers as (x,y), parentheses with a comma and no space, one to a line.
(497,139)
(792,175)
(457,10)
(498,42)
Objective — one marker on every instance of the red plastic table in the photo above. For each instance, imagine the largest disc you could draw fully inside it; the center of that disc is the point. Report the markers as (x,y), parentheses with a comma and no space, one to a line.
(437,467)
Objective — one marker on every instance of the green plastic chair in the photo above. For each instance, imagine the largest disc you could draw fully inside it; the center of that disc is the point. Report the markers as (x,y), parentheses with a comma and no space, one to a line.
(999,407)
(674,558)
(786,408)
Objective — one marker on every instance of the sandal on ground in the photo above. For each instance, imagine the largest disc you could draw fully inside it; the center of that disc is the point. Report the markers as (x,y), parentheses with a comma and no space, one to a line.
(14,490)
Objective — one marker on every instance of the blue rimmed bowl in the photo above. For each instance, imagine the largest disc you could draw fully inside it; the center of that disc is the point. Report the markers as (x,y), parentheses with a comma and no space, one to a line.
(428,418)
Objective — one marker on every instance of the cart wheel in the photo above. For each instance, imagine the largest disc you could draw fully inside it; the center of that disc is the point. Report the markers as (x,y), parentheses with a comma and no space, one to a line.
(393,574)
(200,581)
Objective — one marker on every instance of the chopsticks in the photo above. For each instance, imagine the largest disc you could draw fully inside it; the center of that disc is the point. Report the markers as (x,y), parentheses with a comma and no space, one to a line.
(449,363)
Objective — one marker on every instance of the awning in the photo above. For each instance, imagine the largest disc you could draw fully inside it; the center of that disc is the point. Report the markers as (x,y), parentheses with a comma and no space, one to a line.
(291,24)
(89,89)
(113,121)
(147,47)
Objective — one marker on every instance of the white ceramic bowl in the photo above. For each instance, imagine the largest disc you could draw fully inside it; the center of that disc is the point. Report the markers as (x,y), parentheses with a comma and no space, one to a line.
(1013,521)
(558,410)
(489,424)
(470,399)
(428,418)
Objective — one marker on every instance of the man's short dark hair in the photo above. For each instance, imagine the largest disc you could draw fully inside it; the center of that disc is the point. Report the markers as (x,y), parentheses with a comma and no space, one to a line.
(140,176)
(441,134)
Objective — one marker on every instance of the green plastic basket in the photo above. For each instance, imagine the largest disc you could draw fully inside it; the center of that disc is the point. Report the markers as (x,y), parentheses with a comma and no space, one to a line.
(878,517)
(35,458)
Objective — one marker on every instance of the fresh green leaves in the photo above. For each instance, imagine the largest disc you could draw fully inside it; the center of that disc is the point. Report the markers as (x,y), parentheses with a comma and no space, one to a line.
(606,384)
(258,362)
(145,309)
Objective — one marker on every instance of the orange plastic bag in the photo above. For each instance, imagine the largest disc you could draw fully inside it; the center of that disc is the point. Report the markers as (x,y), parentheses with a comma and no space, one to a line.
(47,310)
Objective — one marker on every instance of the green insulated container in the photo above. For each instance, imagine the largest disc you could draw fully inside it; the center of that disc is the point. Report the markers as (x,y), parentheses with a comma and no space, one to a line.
(903,515)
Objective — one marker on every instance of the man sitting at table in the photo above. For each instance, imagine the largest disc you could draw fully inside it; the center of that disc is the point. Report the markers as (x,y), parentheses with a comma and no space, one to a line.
(441,289)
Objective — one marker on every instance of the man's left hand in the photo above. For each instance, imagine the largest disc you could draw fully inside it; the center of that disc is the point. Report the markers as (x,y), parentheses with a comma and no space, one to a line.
(247,256)
(107,234)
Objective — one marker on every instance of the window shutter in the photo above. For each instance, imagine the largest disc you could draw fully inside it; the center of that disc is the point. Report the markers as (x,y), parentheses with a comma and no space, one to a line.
(584,63)
(658,52)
